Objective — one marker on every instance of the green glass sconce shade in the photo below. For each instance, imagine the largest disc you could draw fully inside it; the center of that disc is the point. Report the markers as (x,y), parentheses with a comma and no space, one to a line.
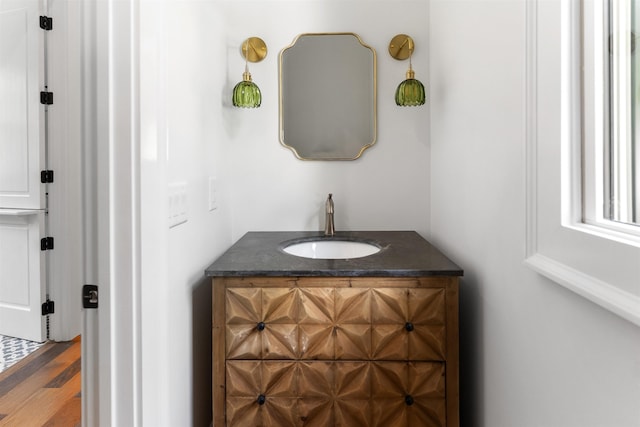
(246,94)
(410,93)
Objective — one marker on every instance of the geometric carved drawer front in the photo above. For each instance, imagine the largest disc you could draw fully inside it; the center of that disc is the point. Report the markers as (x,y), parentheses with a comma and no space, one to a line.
(409,324)
(261,323)
(335,323)
(408,394)
(340,393)
(261,393)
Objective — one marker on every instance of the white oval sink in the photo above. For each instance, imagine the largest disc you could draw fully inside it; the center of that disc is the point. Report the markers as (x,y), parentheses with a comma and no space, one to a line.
(331,249)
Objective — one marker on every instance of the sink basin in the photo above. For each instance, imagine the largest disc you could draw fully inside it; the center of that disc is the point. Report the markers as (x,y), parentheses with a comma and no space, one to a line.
(331,249)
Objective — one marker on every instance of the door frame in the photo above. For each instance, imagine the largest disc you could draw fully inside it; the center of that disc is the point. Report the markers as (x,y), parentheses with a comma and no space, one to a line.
(112,392)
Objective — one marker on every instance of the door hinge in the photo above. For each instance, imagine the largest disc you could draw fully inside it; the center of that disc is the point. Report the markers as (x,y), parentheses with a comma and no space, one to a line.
(90,296)
(48,307)
(46,243)
(46,98)
(46,176)
(46,23)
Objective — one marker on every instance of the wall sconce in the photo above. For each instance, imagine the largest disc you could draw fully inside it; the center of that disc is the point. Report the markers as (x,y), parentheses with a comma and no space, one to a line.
(411,91)
(247,94)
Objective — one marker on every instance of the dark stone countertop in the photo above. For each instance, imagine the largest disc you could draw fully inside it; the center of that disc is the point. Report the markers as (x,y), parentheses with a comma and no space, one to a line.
(403,254)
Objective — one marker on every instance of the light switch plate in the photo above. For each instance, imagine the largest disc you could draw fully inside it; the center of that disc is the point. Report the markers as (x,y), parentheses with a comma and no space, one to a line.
(213,193)
(177,204)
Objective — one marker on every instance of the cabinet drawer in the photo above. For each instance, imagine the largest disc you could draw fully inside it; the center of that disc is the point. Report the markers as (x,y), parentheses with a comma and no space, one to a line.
(335,323)
(326,393)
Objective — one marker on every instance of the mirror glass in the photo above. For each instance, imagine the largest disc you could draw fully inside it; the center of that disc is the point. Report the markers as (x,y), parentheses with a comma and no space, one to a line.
(328,96)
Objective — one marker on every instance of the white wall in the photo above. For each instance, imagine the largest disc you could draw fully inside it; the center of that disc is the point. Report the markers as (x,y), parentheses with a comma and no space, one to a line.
(387,188)
(181,115)
(190,61)
(533,353)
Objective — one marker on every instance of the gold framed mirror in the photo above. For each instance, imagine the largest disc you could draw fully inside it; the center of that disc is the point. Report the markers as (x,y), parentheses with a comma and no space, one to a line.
(328,96)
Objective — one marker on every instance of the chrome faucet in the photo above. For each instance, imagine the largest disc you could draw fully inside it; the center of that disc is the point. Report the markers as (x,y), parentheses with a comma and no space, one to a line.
(329,225)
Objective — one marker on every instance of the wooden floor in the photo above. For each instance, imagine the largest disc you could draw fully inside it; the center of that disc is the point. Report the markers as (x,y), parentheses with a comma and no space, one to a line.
(43,389)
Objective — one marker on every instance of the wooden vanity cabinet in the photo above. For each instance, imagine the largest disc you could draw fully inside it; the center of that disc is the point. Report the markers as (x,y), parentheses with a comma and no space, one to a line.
(335,351)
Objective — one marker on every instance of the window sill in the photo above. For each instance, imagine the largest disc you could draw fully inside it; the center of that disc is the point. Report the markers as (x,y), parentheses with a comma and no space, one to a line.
(620,302)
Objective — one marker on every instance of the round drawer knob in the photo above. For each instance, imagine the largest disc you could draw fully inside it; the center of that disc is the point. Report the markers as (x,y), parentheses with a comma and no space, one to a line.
(261,399)
(409,326)
(260,326)
(408,399)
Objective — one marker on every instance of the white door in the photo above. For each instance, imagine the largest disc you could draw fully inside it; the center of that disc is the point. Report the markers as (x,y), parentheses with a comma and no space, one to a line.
(21,114)
(21,275)
(22,157)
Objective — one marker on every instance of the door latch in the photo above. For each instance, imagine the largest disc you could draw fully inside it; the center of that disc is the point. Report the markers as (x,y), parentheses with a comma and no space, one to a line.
(90,296)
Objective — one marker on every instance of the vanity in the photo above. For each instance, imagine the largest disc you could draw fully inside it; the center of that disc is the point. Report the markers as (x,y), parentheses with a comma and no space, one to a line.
(367,341)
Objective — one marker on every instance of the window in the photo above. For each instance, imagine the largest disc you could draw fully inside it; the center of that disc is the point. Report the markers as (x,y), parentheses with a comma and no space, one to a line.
(610,102)
(623,178)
